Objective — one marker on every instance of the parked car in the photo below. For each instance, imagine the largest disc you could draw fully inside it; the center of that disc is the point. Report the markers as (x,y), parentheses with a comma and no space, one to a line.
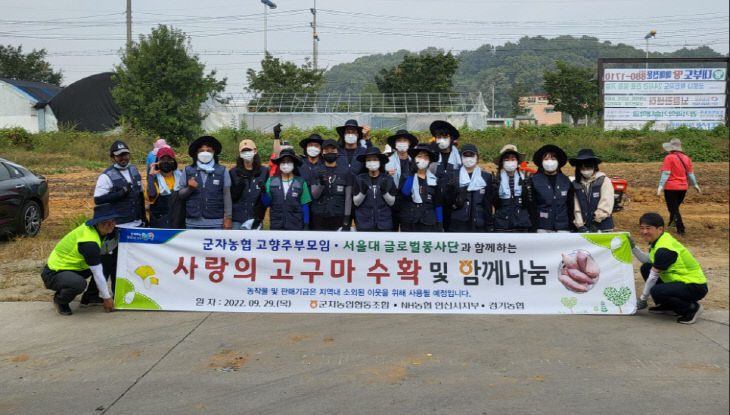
(23,199)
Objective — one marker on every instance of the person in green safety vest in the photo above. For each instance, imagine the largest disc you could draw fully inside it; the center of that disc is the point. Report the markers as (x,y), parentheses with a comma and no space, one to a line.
(77,256)
(672,276)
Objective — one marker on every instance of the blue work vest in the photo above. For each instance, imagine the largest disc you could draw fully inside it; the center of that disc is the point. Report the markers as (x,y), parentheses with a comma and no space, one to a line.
(128,207)
(476,212)
(331,202)
(510,214)
(589,203)
(308,171)
(243,207)
(286,212)
(423,213)
(356,167)
(552,204)
(207,199)
(374,214)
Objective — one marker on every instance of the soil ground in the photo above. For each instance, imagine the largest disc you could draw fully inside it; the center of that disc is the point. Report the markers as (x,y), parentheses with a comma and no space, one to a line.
(705,214)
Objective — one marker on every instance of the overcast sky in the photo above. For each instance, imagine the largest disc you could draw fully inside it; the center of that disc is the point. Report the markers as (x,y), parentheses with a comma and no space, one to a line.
(83,37)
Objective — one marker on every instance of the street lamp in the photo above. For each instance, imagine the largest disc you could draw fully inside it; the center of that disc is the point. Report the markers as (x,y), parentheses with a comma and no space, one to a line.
(648,36)
(268,4)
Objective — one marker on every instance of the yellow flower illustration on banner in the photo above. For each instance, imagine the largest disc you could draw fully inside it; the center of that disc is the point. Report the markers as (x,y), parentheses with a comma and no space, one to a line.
(146,272)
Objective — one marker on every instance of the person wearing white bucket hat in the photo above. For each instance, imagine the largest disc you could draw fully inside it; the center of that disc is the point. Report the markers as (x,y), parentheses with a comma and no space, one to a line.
(676,172)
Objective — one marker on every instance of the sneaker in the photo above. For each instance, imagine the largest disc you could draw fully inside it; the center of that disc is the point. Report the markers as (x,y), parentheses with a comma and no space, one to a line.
(661,309)
(90,302)
(691,316)
(63,309)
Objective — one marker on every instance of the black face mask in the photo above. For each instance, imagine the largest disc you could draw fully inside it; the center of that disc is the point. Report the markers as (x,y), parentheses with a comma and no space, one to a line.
(167,166)
(330,157)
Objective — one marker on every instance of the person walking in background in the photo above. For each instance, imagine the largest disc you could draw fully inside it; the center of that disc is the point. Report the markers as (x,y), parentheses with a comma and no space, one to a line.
(676,172)
(593,194)
(248,183)
(551,191)
(163,179)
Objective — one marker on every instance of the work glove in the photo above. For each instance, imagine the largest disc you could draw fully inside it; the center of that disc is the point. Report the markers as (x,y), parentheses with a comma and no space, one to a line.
(659,190)
(247,225)
(593,227)
(126,189)
(641,304)
(460,198)
(697,187)
(322,177)
(306,227)
(583,229)
(632,242)
(451,184)
(384,186)
(527,190)
(277,131)
(365,185)
(439,227)
(262,186)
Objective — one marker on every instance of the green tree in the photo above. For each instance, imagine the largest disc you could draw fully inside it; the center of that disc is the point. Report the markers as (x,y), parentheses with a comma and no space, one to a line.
(515,92)
(161,85)
(572,90)
(428,72)
(284,76)
(27,67)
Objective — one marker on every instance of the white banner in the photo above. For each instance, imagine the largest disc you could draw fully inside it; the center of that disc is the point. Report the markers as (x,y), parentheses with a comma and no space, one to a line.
(683,87)
(660,125)
(675,101)
(363,272)
(664,114)
(677,74)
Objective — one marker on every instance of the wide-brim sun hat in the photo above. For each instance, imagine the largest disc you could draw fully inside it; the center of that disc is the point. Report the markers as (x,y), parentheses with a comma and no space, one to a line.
(550,148)
(102,212)
(413,152)
(584,154)
(508,148)
(349,123)
(443,125)
(314,138)
(675,144)
(207,140)
(285,153)
(372,150)
(413,140)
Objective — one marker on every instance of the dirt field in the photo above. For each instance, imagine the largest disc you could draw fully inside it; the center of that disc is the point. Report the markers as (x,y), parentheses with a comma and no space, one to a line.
(705,215)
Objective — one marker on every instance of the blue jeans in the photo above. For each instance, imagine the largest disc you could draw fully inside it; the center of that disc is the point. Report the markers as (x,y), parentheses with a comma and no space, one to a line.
(677,296)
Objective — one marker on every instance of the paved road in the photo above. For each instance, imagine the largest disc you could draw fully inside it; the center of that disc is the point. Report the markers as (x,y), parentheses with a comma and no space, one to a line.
(204,363)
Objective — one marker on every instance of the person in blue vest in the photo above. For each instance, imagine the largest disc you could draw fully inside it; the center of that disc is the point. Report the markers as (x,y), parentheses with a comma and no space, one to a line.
(593,194)
(374,192)
(551,191)
(248,183)
(287,195)
(354,139)
(672,276)
(445,136)
(312,161)
(163,179)
(511,212)
(76,257)
(471,201)
(332,194)
(207,193)
(121,185)
(422,210)
(399,165)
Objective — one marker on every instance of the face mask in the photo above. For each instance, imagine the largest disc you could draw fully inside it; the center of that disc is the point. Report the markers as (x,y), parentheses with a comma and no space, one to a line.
(372,165)
(167,166)
(509,166)
(401,147)
(350,138)
(330,157)
(120,167)
(247,155)
(286,168)
(205,157)
(469,162)
(443,143)
(422,163)
(550,165)
(587,173)
(313,151)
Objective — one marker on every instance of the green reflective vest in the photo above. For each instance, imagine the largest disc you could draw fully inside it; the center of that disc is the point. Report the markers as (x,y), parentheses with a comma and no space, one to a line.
(66,255)
(685,269)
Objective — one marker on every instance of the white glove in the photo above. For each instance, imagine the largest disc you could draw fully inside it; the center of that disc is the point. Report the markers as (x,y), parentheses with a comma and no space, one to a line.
(659,190)
(697,187)
(339,229)
(247,225)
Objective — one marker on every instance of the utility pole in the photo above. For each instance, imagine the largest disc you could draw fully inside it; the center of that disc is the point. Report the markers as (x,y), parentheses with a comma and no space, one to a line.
(494,115)
(129,24)
(266,14)
(315,37)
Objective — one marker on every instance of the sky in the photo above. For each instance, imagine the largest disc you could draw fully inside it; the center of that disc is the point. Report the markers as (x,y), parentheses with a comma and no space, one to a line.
(84,37)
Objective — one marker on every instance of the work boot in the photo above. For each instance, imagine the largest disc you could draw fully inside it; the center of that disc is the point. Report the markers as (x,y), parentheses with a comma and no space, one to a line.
(91,301)
(63,309)
(691,315)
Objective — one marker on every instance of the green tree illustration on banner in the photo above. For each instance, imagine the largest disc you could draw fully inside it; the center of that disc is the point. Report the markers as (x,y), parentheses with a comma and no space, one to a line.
(618,297)
(569,302)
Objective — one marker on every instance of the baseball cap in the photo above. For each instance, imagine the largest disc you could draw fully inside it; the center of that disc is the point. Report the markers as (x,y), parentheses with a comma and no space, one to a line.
(249,144)
(118,147)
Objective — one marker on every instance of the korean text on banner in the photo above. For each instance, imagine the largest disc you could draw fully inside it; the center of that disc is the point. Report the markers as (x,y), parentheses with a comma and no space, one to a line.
(308,272)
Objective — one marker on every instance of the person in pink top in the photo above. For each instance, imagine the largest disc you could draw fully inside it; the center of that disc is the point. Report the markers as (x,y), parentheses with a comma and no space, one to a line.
(676,171)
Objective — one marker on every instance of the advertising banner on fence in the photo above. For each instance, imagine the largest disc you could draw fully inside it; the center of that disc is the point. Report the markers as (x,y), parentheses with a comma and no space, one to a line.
(673,87)
(363,272)
(660,125)
(677,74)
(664,114)
(677,101)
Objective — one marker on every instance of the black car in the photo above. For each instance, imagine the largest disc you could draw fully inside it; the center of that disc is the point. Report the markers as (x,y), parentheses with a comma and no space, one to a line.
(23,199)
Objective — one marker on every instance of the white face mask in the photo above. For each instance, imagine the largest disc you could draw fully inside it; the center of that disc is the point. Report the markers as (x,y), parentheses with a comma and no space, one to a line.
(286,168)
(350,138)
(313,151)
(247,155)
(443,143)
(422,163)
(550,165)
(469,162)
(509,165)
(401,147)
(205,157)
(372,165)
(587,173)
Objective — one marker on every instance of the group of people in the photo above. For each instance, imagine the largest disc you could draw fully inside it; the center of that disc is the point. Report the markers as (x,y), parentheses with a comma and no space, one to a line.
(419,187)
